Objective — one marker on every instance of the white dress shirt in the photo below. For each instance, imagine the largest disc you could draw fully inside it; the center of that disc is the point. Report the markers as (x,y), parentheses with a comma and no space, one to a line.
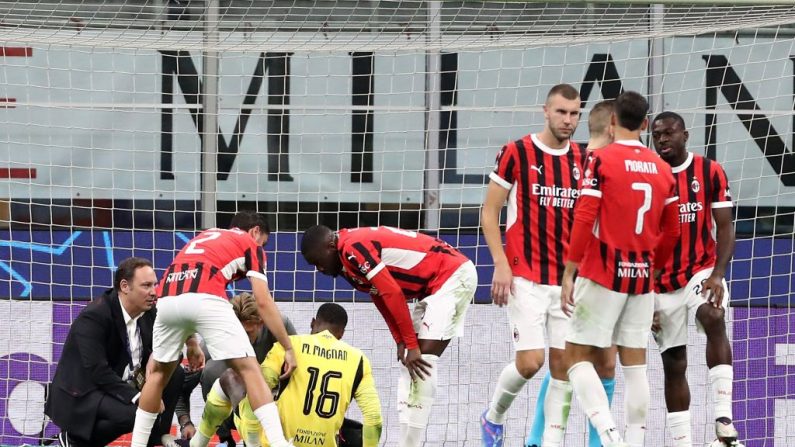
(134,341)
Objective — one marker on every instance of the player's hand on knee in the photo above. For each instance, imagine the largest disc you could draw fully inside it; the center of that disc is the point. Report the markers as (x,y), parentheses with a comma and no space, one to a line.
(655,322)
(195,358)
(712,290)
(501,285)
(289,364)
(417,366)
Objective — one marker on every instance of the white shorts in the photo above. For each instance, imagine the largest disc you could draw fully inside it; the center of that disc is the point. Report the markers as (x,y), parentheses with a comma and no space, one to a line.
(674,307)
(535,308)
(212,317)
(603,317)
(441,316)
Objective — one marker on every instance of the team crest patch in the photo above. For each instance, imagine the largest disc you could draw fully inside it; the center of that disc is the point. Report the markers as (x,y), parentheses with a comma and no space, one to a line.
(365,267)
(695,185)
(515,333)
(576,173)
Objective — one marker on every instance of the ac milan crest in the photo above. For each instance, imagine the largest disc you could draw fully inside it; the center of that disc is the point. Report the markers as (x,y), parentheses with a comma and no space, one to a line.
(695,185)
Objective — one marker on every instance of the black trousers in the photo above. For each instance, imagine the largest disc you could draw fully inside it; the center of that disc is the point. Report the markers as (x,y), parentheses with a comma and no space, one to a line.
(116,418)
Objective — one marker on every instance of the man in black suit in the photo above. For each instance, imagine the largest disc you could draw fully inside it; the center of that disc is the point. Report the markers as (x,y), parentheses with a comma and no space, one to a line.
(93,396)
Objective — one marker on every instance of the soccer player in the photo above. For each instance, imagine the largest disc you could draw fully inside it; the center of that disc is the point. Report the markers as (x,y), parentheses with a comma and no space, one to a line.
(625,225)
(692,281)
(538,176)
(600,129)
(312,405)
(192,299)
(600,135)
(217,411)
(394,266)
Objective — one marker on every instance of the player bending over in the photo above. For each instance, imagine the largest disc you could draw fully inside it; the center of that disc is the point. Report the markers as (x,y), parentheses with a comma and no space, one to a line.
(193,299)
(600,134)
(312,405)
(217,410)
(692,282)
(394,266)
(625,225)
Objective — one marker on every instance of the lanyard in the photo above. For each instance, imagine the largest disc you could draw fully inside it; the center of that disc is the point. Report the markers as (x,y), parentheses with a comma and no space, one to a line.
(129,346)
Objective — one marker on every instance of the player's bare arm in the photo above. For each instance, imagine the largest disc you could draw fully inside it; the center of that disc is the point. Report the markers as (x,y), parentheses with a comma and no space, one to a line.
(567,288)
(502,281)
(274,322)
(713,287)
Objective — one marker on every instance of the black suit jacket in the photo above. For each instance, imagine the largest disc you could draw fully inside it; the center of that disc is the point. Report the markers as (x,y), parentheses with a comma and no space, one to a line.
(94,357)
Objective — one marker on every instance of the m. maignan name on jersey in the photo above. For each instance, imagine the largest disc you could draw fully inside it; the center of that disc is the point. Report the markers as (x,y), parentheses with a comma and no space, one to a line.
(328,354)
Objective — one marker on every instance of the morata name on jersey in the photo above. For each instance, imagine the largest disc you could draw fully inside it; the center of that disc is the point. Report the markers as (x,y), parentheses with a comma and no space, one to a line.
(555,195)
(328,354)
(644,167)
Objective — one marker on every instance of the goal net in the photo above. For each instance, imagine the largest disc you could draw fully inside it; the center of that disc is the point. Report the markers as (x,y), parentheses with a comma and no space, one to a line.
(128,125)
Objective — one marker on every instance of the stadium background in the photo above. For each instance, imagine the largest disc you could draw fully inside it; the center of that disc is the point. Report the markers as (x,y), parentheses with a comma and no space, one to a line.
(100,156)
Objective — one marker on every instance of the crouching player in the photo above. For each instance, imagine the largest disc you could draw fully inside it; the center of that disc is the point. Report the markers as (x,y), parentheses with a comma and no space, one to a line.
(313,403)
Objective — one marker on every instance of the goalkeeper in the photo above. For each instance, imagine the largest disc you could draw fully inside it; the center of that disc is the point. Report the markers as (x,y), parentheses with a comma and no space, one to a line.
(312,404)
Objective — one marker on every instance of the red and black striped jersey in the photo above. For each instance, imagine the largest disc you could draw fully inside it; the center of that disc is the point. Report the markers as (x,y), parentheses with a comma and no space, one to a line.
(211,260)
(633,186)
(702,186)
(420,264)
(394,265)
(543,185)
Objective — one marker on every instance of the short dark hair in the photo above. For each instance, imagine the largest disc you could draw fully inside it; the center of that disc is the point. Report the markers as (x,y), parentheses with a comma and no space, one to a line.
(126,270)
(597,121)
(333,314)
(631,109)
(565,90)
(671,115)
(313,237)
(247,219)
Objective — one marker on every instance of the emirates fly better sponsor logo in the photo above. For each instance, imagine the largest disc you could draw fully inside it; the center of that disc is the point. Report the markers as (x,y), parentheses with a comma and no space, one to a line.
(688,211)
(555,195)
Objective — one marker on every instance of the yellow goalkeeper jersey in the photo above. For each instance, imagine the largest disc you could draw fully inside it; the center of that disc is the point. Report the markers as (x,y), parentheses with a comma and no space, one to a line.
(312,406)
